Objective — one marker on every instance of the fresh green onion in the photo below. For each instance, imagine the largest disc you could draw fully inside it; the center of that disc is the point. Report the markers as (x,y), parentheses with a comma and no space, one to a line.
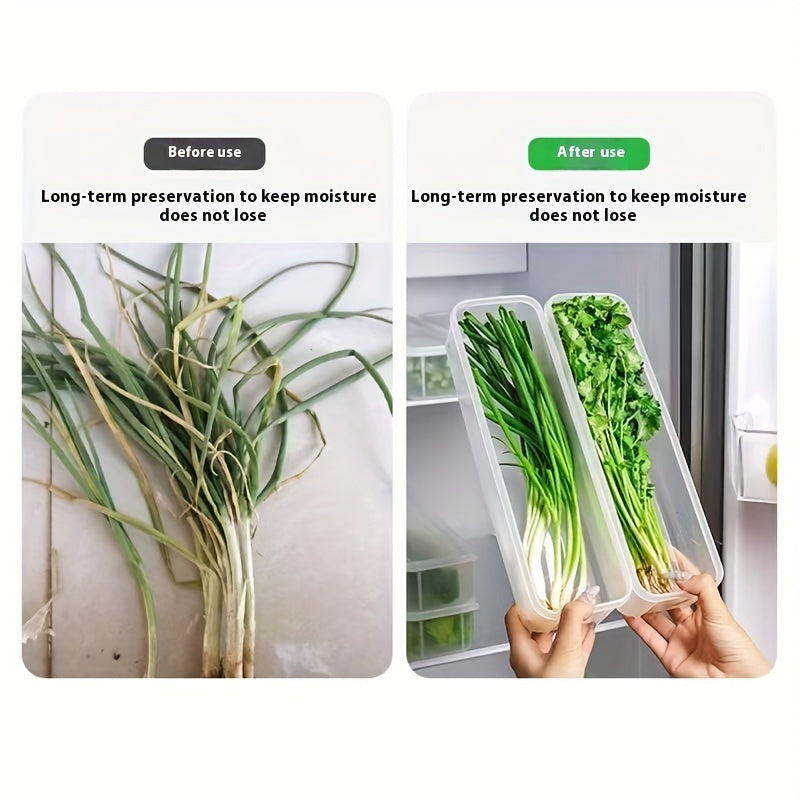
(515,396)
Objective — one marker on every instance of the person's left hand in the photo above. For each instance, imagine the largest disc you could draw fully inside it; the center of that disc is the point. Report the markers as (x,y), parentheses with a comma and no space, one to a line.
(563,654)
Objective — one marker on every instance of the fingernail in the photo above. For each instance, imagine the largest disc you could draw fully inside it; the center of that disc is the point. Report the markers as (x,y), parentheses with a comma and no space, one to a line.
(589,595)
(678,575)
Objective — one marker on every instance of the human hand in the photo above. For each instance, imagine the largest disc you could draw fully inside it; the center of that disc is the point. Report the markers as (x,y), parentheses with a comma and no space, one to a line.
(701,641)
(562,654)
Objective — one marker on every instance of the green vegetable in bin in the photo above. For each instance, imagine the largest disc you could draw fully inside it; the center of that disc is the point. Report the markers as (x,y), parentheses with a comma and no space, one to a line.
(413,640)
(622,415)
(413,377)
(447,633)
(438,380)
(515,396)
(440,586)
(444,630)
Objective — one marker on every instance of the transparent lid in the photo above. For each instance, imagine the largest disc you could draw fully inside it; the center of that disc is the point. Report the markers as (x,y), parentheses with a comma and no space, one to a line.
(426,334)
(438,613)
(428,547)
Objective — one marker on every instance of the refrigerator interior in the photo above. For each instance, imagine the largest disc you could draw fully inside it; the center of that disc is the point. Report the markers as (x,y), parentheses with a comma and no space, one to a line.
(443,487)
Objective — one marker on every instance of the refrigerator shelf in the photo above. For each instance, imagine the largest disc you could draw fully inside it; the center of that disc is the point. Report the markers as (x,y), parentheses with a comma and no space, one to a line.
(478,652)
(431,401)
(754,454)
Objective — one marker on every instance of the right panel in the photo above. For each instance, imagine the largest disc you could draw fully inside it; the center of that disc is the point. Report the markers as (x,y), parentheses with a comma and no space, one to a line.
(587,420)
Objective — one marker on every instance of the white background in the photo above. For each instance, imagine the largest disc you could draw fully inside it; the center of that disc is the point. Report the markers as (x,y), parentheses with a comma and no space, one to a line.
(400,735)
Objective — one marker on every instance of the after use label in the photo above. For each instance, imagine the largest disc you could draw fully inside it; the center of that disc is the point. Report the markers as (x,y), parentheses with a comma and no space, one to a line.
(588,153)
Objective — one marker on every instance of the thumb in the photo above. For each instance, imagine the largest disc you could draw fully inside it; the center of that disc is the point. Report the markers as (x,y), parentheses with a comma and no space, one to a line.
(705,589)
(574,616)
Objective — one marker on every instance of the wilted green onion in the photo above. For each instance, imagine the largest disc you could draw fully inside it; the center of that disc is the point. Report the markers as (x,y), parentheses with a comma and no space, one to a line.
(182,403)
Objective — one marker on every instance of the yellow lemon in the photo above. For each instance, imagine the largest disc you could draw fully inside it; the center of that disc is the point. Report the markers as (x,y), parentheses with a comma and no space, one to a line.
(772,465)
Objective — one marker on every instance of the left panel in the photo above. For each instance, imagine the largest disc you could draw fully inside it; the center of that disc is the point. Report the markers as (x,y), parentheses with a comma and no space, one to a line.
(207,398)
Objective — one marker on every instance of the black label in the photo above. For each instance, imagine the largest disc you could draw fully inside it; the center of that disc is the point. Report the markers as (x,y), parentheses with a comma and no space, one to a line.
(195,154)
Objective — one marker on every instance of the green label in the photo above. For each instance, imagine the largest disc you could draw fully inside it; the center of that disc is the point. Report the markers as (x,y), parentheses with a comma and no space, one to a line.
(564,152)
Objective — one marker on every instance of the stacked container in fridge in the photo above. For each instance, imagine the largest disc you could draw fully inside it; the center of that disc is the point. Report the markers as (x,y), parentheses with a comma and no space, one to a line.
(440,593)
(427,370)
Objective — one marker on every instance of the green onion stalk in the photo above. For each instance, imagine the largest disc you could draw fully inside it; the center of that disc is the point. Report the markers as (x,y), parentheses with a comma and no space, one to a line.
(515,396)
(622,415)
(209,399)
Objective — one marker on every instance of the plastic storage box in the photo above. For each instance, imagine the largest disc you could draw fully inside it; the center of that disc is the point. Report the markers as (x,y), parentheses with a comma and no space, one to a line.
(439,571)
(677,504)
(504,489)
(427,369)
(434,633)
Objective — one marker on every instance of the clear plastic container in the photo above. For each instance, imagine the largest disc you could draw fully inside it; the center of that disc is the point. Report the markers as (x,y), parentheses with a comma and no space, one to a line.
(752,454)
(427,370)
(433,633)
(677,504)
(504,488)
(439,571)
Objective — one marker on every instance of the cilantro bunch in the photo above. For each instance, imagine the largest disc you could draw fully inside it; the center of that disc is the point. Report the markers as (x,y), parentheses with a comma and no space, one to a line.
(622,416)
(516,397)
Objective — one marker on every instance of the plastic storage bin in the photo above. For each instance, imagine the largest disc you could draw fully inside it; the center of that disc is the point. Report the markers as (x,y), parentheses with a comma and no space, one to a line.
(427,369)
(439,571)
(504,488)
(434,633)
(677,504)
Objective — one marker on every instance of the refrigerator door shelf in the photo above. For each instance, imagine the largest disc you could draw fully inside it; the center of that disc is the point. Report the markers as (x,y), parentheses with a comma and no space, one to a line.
(504,489)
(754,461)
(677,504)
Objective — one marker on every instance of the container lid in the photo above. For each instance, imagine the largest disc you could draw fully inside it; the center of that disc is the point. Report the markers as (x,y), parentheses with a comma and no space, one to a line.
(438,613)
(429,547)
(426,334)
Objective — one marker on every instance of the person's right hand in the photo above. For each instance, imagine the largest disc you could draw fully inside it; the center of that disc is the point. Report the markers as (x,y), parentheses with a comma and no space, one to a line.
(702,641)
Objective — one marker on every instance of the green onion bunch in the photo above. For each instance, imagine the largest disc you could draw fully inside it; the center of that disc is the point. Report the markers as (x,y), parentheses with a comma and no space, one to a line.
(515,396)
